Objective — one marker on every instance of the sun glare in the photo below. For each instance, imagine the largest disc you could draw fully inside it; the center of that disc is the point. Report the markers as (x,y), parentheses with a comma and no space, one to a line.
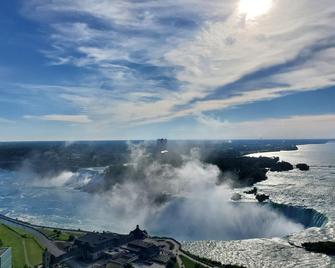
(254,8)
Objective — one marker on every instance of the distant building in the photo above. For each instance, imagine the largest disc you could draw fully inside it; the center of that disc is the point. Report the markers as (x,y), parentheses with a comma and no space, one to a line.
(5,258)
(162,146)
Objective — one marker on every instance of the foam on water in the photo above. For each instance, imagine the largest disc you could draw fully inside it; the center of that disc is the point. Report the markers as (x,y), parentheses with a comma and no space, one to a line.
(313,189)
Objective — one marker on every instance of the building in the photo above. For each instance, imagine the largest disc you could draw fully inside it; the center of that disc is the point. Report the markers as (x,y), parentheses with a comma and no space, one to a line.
(5,258)
(162,145)
(122,261)
(163,258)
(115,253)
(142,249)
(137,234)
(46,259)
(93,245)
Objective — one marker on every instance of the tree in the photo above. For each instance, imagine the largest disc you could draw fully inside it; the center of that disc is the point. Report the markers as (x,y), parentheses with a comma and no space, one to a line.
(71,237)
(171,263)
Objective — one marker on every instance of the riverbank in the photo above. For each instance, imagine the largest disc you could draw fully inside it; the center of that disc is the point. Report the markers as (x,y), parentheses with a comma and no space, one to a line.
(36,232)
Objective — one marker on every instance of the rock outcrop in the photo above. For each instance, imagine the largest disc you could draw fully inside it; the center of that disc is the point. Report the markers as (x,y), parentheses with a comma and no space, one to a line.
(302,166)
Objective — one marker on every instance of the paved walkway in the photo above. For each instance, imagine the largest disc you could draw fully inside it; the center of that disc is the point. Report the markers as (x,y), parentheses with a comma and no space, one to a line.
(25,253)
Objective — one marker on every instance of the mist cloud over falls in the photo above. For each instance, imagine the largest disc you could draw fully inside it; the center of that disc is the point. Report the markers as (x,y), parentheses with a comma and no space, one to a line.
(168,194)
(141,189)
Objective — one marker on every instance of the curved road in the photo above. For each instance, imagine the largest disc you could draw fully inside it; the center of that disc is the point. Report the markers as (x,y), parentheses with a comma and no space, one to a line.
(177,252)
(42,239)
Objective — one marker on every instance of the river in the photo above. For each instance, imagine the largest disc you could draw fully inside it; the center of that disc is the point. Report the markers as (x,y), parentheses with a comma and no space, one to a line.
(311,189)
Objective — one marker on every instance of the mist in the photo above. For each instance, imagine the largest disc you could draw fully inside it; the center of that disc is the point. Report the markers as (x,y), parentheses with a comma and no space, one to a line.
(184,201)
(178,196)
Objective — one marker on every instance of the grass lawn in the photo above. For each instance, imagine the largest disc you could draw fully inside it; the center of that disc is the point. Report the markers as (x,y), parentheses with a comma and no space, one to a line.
(25,248)
(189,263)
(34,251)
(63,235)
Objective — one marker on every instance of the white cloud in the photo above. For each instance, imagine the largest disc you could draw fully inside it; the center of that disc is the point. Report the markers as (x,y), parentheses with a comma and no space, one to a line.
(295,127)
(211,60)
(5,121)
(222,47)
(62,118)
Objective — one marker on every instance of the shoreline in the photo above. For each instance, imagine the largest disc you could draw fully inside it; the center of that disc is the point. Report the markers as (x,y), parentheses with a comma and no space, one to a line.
(287,150)
(37,226)
(295,149)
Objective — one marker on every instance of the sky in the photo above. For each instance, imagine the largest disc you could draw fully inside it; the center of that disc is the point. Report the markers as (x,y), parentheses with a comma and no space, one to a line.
(186,69)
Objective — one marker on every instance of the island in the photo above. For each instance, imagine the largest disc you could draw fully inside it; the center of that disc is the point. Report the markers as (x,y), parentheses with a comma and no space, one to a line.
(281,166)
(302,166)
(325,247)
(261,197)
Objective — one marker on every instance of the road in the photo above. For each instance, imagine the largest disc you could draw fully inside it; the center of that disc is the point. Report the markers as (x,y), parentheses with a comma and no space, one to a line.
(180,253)
(42,239)
(176,251)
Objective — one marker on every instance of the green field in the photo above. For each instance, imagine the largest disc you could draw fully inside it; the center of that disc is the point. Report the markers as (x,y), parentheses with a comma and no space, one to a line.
(60,235)
(25,249)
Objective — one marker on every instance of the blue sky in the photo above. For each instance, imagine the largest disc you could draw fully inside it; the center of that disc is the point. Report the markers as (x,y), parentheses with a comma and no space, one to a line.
(187,69)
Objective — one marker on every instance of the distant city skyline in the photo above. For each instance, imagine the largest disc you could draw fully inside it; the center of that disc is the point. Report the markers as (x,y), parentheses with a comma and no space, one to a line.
(188,69)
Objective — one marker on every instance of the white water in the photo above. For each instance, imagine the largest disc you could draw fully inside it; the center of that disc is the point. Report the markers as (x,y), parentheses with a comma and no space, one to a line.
(205,212)
(311,189)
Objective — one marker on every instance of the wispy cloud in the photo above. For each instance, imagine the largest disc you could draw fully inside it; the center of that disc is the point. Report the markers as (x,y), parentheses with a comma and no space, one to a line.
(154,61)
(5,121)
(82,119)
(295,127)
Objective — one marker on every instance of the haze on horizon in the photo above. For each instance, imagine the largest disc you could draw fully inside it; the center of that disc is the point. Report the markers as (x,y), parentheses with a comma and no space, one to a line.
(188,69)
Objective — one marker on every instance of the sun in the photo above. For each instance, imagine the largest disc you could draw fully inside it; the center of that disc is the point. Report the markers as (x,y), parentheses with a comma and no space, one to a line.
(254,8)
